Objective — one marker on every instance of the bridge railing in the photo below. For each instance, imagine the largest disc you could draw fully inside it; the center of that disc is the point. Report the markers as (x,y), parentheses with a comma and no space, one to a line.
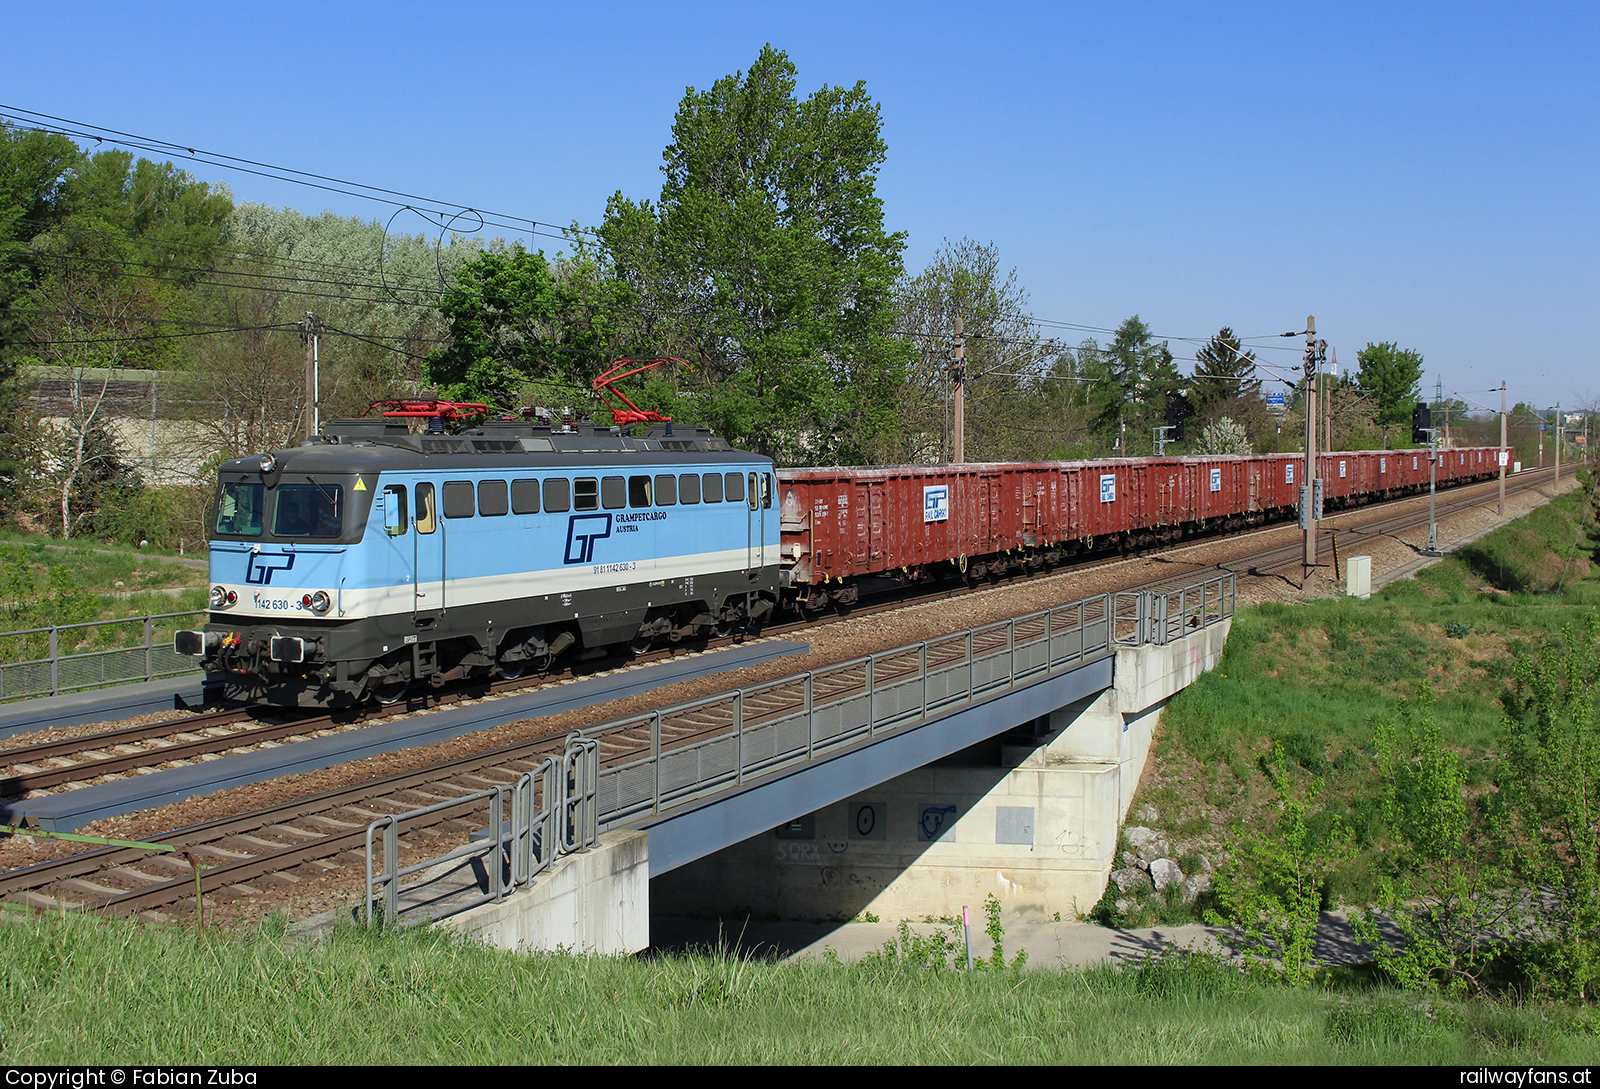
(38,662)
(695,749)
(551,811)
(1160,616)
(653,762)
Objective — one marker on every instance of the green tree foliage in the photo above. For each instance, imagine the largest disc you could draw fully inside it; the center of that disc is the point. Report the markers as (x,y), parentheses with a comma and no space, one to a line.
(33,165)
(1013,412)
(1224,371)
(1443,914)
(1390,376)
(1223,437)
(766,264)
(1550,789)
(1271,891)
(514,316)
(1132,379)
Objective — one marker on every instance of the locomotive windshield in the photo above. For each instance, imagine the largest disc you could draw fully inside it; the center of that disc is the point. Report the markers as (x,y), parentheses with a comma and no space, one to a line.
(239,509)
(309,510)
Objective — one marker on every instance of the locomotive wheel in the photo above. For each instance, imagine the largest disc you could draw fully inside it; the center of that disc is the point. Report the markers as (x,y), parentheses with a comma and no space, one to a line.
(391,691)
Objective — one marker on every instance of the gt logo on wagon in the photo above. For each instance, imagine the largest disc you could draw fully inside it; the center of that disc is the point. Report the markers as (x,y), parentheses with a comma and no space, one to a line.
(583,530)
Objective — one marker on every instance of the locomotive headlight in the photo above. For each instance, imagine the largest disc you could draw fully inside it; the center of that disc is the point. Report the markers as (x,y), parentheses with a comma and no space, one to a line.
(318,602)
(219,597)
(268,463)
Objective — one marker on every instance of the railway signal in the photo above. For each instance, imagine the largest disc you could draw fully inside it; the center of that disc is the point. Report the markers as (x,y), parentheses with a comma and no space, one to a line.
(1421,422)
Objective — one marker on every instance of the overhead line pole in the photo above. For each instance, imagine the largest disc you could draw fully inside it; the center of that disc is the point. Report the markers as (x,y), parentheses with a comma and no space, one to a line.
(958,368)
(1503,454)
(310,329)
(1311,449)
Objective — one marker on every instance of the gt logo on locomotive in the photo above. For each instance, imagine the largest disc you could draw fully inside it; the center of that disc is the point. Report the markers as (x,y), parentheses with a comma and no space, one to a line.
(583,530)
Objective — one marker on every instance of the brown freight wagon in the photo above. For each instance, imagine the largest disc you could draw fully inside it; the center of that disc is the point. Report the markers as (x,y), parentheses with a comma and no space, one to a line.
(840,525)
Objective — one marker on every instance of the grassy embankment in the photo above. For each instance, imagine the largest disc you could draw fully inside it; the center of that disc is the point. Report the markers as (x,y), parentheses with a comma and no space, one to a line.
(1317,679)
(81,990)
(45,582)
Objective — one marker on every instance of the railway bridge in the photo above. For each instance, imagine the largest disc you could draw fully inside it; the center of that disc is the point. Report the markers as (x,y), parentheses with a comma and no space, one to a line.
(1000,759)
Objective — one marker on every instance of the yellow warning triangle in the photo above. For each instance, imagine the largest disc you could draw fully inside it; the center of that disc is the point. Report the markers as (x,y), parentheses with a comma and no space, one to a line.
(361,485)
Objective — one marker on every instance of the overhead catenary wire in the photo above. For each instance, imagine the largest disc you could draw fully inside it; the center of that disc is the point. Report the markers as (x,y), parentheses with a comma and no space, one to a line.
(448,212)
(101,134)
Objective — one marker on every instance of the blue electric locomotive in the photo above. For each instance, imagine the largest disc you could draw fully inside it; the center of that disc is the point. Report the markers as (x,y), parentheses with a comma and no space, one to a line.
(369,558)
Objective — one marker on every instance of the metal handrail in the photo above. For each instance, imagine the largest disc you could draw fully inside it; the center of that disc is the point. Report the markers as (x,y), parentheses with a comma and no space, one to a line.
(44,676)
(767,727)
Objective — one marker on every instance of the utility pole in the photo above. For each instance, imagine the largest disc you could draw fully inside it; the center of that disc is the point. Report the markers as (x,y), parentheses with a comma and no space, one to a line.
(1438,399)
(1306,510)
(1327,409)
(310,330)
(1558,442)
(958,374)
(1503,455)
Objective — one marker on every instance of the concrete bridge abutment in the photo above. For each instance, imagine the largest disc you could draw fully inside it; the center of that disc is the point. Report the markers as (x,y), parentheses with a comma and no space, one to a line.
(1030,815)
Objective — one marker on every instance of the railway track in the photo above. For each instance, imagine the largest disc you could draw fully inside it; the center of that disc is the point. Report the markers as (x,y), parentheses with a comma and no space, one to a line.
(281,846)
(77,761)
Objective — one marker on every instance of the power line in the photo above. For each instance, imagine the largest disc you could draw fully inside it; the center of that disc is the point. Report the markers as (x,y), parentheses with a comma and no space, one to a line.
(101,134)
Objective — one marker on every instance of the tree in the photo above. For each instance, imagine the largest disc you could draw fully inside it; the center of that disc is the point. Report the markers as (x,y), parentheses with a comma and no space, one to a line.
(32,165)
(1009,402)
(1441,887)
(1138,376)
(1224,371)
(1224,437)
(514,317)
(1271,890)
(1550,788)
(1391,376)
(765,262)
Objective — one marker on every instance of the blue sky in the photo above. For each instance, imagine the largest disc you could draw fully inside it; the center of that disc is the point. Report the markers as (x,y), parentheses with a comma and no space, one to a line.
(1418,173)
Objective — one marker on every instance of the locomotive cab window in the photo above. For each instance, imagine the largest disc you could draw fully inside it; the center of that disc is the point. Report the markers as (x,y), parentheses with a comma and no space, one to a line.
(666,490)
(309,510)
(755,493)
(586,493)
(394,510)
(711,488)
(613,492)
(427,514)
(458,499)
(766,491)
(239,509)
(557,495)
(735,487)
(492,498)
(638,491)
(524,497)
(689,488)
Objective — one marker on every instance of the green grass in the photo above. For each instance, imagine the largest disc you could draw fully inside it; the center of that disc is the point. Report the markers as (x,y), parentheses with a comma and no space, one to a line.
(43,586)
(84,990)
(1316,679)
(10,535)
